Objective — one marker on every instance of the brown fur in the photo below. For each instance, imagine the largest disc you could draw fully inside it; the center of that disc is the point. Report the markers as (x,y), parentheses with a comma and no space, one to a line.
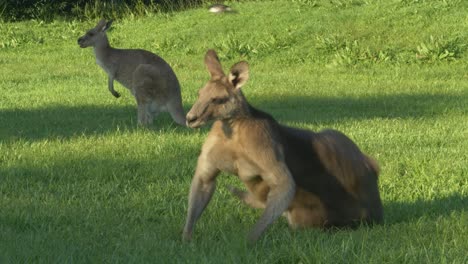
(314,179)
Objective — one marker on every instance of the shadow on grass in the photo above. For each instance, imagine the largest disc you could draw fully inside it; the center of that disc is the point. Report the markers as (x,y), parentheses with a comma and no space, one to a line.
(66,122)
(139,190)
(329,109)
(131,190)
(402,212)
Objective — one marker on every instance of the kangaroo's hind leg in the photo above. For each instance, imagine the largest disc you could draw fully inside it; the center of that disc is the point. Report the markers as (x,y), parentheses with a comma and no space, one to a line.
(148,89)
(144,103)
(147,111)
(145,117)
(306,210)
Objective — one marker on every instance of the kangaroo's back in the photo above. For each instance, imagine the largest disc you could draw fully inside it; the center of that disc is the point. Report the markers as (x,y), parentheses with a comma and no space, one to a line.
(331,166)
(129,61)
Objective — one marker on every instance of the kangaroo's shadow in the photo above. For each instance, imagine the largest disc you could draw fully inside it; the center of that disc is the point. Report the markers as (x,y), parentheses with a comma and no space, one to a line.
(311,109)
(401,212)
(69,121)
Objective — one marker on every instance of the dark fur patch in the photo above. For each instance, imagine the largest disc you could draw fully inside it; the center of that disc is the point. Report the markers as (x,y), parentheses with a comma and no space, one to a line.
(227,129)
(338,173)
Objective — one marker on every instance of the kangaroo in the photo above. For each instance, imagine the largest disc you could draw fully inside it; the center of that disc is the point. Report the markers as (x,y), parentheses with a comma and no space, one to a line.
(314,179)
(150,79)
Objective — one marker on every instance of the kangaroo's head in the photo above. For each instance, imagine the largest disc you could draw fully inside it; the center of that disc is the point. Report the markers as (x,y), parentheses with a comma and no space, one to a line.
(95,35)
(221,98)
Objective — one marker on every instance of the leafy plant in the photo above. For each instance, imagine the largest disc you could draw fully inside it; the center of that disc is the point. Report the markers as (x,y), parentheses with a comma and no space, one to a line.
(232,47)
(440,48)
(13,39)
(353,53)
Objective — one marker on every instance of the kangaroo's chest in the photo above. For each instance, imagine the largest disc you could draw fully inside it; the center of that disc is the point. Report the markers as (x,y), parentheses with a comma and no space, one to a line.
(233,162)
(227,155)
(122,73)
(107,64)
(102,65)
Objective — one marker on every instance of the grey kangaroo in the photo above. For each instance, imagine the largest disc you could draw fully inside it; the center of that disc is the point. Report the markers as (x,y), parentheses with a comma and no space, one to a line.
(314,179)
(150,79)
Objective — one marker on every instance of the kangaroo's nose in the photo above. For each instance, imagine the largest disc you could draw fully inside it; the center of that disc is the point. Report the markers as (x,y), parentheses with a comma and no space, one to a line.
(79,40)
(190,118)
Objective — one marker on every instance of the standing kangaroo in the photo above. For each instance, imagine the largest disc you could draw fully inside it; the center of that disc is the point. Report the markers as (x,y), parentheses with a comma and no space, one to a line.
(150,79)
(314,179)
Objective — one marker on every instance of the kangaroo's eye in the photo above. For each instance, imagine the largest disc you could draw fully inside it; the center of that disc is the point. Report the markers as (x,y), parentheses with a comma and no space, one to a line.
(90,34)
(219,100)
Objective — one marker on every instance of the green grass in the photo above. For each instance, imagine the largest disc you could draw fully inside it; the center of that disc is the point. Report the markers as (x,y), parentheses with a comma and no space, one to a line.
(80,182)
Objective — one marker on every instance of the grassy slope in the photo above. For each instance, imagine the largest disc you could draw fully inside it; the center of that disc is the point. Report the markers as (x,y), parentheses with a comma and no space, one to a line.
(79,182)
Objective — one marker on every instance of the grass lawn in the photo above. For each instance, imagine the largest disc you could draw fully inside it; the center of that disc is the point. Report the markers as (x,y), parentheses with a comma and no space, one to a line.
(80,182)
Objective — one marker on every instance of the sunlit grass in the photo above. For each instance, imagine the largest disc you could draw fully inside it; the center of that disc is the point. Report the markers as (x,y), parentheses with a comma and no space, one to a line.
(80,182)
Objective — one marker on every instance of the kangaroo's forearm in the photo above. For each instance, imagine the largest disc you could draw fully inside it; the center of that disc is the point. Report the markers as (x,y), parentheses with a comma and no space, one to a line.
(278,201)
(111,87)
(199,197)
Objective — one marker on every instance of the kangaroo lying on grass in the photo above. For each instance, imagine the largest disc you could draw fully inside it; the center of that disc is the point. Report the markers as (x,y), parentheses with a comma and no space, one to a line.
(314,179)
(150,79)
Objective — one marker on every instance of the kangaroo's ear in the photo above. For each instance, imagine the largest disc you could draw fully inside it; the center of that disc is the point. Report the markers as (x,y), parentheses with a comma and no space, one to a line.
(213,64)
(239,74)
(107,26)
(103,25)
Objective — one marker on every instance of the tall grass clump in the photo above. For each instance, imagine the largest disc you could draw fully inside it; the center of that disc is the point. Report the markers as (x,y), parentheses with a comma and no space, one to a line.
(440,48)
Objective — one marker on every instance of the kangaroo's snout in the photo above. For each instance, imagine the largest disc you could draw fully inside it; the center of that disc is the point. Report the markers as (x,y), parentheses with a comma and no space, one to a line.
(80,42)
(191,120)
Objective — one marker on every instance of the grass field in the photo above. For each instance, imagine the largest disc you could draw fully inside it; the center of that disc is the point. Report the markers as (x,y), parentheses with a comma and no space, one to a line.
(80,182)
